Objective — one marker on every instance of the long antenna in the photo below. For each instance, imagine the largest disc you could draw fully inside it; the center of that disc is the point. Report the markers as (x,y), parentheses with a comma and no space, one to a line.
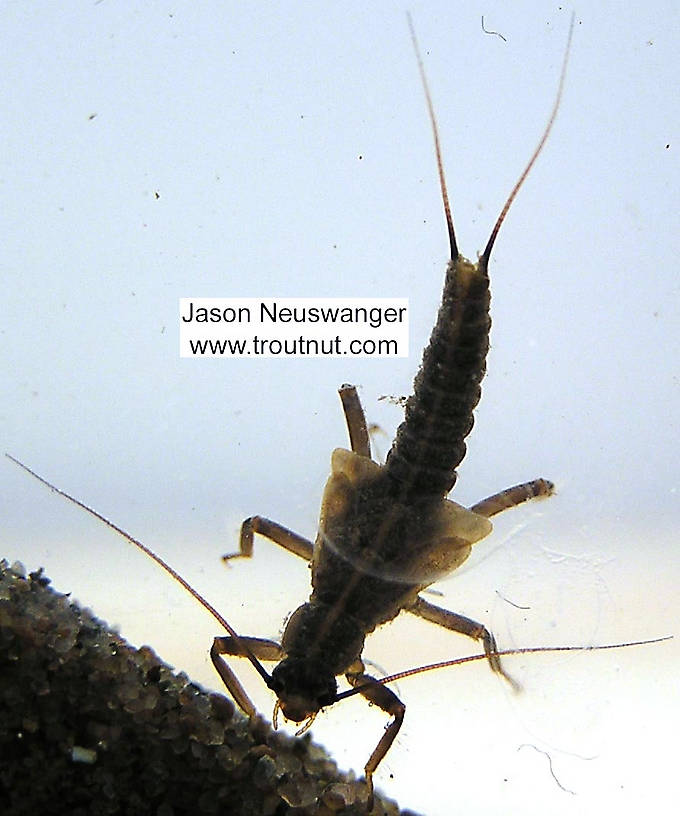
(161,563)
(459,661)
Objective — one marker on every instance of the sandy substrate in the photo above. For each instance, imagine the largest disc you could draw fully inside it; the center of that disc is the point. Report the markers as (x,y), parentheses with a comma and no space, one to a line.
(89,725)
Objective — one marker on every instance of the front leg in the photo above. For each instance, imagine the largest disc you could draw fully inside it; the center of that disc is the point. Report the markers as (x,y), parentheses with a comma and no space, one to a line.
(465,626)
(259,647)
(388,701)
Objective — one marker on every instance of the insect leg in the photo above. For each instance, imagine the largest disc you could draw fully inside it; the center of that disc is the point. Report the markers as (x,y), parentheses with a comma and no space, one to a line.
(465,626)
(294,543)
(356,420)
(262,649)
(388,701)
(277,533)
(512,496)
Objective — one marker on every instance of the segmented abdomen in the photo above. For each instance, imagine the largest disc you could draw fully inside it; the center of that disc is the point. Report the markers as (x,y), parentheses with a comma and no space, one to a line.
(429,444)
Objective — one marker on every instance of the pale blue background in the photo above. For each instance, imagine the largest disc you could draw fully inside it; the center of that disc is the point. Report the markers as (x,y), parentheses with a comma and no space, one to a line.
(292,155)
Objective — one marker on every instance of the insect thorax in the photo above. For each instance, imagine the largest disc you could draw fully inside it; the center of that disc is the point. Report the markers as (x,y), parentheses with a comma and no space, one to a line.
(374,551)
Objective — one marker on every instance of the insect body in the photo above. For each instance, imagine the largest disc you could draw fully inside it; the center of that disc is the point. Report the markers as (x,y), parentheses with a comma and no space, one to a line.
(385,531)
(388,531)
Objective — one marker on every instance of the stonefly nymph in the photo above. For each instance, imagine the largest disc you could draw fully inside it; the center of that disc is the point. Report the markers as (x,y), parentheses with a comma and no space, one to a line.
(386,532)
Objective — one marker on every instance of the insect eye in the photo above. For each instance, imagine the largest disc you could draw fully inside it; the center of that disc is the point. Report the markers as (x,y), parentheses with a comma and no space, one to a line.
(326,699)
(276,684)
